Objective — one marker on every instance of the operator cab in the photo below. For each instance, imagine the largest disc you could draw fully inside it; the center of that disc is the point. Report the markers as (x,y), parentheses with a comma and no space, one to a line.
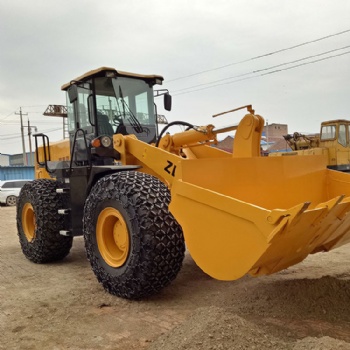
(336,130)
(104,102)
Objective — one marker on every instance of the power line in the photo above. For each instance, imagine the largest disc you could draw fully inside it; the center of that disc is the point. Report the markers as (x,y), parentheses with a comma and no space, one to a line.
(306,63)
(9,123)
(9,135)
(260,75)
(263,69)
(34,106)
(261,56)
(3,118)
(52,130)
(37,121)
(16,135)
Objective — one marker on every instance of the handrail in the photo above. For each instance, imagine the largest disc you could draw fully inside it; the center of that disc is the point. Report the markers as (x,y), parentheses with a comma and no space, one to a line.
(47,155)
(73,147)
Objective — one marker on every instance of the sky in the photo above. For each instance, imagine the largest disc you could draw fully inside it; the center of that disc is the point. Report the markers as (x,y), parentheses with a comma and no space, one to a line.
(289,59)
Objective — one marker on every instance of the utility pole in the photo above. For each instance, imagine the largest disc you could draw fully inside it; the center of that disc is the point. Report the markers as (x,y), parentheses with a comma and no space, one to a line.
(30,140)
(22,132)
(30,143)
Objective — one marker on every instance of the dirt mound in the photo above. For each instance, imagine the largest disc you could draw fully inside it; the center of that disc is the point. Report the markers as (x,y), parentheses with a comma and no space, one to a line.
(325,298)
(215,328)
(324,343)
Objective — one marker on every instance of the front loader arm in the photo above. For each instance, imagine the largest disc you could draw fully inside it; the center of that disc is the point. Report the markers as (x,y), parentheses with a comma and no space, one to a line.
(154,160)
(165,161)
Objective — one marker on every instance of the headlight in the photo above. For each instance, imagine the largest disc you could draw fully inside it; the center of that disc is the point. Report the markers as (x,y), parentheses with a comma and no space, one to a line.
(106,141)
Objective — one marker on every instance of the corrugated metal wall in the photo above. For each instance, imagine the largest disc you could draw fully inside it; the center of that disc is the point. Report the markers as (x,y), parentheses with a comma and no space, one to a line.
(16,172)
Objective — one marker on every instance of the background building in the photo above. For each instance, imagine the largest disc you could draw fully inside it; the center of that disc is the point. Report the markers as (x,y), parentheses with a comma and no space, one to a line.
(12,167)
(4,159)
(17,159)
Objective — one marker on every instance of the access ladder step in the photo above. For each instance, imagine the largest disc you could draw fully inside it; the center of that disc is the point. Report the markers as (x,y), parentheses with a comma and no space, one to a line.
(63,211)
(62,190)
(65,233)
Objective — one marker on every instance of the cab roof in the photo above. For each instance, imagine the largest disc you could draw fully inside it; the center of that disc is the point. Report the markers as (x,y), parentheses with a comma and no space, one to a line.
(102,71)
(336,121)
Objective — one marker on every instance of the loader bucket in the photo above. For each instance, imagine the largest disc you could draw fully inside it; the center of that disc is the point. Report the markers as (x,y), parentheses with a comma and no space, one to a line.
(260,215)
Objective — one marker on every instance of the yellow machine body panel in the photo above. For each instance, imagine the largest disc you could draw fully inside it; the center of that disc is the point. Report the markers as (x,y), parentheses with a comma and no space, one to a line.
(305,152)
(247,214)
(58,151)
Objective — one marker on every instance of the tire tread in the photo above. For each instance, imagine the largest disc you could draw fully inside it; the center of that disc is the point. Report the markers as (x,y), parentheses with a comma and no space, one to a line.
(48,245)
(157,243)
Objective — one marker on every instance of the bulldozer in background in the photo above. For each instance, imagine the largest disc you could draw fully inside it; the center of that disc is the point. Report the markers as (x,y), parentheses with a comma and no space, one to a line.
(138,196)
(333,141)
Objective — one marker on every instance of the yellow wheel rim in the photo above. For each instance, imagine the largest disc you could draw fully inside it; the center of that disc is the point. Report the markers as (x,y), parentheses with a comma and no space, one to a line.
(28,222)
(112,237)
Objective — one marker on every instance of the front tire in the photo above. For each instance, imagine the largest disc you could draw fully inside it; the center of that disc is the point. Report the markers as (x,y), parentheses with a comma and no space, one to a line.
(38,222)
(134,244)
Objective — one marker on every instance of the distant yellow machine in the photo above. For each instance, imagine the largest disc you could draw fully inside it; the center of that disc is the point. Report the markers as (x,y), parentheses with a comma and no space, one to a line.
(333,141)
(137,196)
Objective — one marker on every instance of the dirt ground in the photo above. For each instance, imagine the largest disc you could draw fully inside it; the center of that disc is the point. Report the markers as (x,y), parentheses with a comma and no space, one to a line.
(62,306)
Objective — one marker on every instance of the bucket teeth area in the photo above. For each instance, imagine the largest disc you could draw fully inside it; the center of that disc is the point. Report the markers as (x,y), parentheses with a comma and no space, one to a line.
(305,232)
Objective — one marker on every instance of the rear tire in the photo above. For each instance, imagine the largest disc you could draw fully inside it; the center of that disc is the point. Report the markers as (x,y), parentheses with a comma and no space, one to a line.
(134,244)
(11,201)
(38,221)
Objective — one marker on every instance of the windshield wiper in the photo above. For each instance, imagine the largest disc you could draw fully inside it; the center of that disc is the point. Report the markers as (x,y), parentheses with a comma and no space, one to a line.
(134,123)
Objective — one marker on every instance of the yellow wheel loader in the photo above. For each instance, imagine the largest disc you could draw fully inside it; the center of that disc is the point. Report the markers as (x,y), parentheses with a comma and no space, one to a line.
(137,196)
(333,141)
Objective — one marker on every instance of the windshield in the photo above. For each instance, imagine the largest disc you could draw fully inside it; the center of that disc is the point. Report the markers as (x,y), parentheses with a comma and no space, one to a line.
(125,105)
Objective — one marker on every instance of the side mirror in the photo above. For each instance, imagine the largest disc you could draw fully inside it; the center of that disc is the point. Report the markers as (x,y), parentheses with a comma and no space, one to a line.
(72,93)
(167,101)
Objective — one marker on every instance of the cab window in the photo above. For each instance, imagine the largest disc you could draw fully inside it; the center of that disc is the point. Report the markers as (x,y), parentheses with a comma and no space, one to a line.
(328,132)
(342,135)
(81,120)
